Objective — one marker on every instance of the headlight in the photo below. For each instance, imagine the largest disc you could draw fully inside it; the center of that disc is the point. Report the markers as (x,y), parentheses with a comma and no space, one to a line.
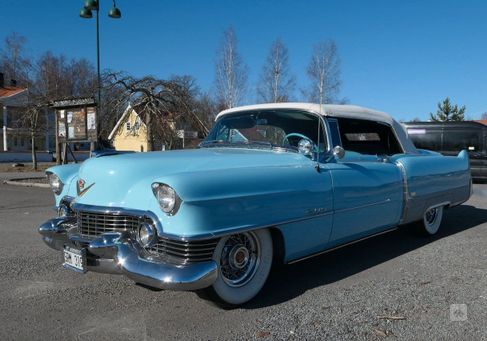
(167,198)
(146,234)
(56,183)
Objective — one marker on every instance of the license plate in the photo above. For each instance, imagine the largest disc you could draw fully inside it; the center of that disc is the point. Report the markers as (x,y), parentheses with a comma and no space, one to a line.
(74,259)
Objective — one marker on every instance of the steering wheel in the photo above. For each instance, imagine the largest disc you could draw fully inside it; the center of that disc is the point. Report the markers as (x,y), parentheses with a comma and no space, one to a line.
(286,138)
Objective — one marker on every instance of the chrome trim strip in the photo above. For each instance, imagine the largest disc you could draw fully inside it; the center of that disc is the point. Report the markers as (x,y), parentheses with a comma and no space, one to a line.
(445,203)
(362,206)
(341,246)
(406,198)
(150,214)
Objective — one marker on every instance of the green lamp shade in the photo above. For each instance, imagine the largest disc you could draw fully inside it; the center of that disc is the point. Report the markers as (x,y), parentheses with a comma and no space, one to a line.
(115,13)
(91,4)
(85,13)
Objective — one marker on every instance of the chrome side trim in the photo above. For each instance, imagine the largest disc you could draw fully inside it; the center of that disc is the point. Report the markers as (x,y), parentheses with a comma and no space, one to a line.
(363,206)
(445,203)
(342,245)
(406,198)
(151,215)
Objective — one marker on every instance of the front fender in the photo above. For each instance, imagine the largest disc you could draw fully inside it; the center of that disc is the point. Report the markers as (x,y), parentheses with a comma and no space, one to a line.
(68,175)
(221,201)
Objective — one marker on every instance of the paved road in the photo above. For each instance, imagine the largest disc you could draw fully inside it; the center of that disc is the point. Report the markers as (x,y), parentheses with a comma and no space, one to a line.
(346,294)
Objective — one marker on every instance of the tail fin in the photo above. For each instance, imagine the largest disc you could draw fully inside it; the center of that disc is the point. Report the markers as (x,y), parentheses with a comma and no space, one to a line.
(463,155)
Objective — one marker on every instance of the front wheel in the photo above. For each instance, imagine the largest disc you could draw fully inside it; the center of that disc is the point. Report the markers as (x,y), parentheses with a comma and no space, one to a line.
(244,262)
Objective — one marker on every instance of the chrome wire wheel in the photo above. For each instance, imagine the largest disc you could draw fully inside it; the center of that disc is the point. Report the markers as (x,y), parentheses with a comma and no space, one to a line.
(244,262)
(240,259)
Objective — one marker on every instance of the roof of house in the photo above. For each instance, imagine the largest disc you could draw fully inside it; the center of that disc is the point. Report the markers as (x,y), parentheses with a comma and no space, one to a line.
(10,91)
(121,119)
(482,121)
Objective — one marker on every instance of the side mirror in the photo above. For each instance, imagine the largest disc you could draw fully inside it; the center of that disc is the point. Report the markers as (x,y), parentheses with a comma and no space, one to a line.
(305,147)
(338,152)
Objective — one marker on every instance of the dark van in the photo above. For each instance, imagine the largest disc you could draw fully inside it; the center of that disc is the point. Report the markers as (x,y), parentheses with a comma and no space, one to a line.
(449,138)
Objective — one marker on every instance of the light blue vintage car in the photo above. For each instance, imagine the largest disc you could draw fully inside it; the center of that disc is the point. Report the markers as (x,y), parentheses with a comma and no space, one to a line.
(271,183)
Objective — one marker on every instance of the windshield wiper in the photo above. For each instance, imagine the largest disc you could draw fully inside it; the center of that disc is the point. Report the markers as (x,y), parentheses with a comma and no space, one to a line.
(244,144)
(209,143)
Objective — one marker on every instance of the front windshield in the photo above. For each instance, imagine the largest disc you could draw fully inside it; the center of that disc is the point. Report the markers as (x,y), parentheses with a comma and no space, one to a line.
(269,128)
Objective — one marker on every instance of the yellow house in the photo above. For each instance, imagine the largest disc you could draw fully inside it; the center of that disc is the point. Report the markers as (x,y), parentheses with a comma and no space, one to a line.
(130,132)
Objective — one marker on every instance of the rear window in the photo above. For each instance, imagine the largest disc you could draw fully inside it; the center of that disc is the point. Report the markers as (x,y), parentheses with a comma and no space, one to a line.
(368,137)
(363,137)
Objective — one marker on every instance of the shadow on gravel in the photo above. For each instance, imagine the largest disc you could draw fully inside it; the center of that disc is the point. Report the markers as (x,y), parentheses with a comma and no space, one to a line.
(290,281)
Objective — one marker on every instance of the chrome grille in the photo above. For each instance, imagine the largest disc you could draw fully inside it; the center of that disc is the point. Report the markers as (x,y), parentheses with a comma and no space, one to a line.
(91,225)
(94,224)
(186,251)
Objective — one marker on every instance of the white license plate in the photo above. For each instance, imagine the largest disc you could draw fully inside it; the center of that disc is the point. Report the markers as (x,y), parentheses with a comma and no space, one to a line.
(74,259)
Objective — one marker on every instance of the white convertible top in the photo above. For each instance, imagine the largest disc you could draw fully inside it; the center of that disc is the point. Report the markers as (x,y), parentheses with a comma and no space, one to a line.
(336,110)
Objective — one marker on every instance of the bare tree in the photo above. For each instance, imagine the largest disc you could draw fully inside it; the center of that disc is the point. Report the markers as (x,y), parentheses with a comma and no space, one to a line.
(32,122)
(276,84)
(47,78)
(324,73)
(55,77)
(162,103)
(206,109)
(483,116)
(13,61)
(230,72)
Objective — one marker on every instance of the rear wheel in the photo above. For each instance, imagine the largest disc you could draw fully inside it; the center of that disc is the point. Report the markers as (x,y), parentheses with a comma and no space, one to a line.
(244,262)
(431,220)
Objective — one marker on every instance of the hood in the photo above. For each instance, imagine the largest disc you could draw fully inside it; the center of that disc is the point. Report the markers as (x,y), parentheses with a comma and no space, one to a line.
(117,180)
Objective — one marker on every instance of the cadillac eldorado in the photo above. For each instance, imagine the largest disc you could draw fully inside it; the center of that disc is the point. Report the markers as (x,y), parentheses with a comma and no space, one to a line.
(271,183)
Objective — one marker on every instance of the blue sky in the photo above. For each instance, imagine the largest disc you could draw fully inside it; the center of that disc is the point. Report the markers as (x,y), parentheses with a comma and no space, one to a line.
(401,57)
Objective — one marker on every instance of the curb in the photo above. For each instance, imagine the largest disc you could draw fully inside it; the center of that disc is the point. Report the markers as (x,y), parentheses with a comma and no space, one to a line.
(17,182)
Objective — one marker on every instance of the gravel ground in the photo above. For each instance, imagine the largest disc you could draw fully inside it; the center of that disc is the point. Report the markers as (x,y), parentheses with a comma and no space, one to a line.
(395,286)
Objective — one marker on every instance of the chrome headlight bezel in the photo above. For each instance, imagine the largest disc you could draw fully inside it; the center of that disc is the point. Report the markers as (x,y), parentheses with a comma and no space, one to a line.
(146,234)
(167,198)
(55,182)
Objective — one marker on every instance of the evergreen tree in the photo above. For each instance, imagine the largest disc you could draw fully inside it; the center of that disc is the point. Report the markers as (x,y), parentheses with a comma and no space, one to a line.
(448,112)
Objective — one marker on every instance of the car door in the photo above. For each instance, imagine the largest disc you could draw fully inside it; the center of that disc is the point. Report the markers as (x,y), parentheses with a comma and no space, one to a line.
(367,189)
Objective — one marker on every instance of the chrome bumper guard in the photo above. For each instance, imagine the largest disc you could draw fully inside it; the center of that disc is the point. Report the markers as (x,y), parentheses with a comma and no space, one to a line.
(118,253)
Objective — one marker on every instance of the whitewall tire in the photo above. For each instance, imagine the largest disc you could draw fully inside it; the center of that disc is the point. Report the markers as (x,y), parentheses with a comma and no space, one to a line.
(244,262)
(432,220)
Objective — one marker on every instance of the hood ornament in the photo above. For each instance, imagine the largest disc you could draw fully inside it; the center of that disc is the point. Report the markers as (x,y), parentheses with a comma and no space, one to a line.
(80,187)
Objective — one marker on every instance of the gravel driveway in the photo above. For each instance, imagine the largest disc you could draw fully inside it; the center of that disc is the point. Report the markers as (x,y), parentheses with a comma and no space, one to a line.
(396,285)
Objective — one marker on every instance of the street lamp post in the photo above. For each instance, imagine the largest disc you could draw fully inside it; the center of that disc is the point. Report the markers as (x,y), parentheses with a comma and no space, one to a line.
(87,13)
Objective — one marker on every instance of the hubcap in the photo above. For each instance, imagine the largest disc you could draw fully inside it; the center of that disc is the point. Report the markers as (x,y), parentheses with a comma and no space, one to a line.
(240,259)
(431,216)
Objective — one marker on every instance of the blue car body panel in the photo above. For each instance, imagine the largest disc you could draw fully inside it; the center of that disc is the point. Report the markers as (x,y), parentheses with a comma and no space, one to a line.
(362,191)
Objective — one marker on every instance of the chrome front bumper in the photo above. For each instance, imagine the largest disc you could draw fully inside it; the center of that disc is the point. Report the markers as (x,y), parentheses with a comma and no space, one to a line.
(117,253)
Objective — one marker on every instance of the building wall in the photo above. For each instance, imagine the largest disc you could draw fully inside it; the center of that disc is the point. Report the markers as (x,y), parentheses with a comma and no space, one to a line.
(131,138)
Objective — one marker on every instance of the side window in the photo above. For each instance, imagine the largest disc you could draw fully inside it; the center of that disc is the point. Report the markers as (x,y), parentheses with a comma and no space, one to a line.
(458,140)
(334,132)
(425,139)
(368,137)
